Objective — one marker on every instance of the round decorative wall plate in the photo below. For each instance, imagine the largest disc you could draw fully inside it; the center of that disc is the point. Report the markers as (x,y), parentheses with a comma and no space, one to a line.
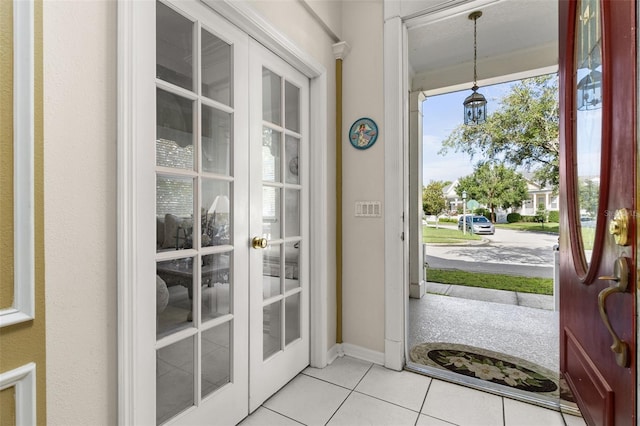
(363,133)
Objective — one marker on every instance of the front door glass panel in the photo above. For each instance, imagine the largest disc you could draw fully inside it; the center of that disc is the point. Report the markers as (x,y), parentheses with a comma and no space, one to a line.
(588,130)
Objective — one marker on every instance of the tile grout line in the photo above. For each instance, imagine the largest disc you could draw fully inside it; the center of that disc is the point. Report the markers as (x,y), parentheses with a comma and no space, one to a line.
(283,415)
(424,400)
(350,392)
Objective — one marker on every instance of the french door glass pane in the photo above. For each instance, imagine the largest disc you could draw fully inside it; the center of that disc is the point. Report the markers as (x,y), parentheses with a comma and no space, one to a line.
(216,141)
(271,271)
(291,265)
(292,107)
(216,285)
(216,68)
(215,213)
(292,206)
(174,47)
(271,219)
(174,379)
(174,295)
(270,155)
(271,97)
(174,131)
(174,210)
(216,358)
(272,329)
(292,318)
(292,152)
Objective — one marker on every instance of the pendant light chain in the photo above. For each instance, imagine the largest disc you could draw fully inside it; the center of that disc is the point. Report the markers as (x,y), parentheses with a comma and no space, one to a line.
(475,53)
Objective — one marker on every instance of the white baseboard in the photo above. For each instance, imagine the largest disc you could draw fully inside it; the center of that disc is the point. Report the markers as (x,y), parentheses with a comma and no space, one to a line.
(363,353)
(334,353)
(417,290)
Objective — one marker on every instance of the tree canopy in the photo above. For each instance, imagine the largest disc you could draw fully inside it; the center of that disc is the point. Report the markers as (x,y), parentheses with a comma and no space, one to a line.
(433,200)
(522,133)
(494,185)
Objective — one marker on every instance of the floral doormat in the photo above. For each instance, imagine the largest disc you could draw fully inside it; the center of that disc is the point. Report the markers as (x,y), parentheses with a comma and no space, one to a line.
(492,366)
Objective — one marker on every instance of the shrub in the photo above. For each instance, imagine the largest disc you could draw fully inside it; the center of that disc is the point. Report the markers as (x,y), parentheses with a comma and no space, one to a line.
(529,219)
(541,215)
(514,217)
(448,220)
(554,216)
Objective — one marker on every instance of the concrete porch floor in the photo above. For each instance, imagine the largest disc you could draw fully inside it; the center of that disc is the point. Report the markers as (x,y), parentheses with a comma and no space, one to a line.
(518,324)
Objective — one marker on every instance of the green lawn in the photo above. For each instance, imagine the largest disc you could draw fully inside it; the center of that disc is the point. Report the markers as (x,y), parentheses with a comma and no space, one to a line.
(494,281)
(530,226)
(445,235)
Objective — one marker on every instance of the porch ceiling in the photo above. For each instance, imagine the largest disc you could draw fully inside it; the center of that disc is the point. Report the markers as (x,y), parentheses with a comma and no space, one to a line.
(514,37)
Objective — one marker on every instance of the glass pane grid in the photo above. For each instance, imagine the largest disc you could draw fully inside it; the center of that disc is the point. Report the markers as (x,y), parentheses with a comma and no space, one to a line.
(194,151)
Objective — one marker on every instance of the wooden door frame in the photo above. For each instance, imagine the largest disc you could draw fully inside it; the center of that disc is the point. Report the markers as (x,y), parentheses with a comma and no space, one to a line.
(133,88)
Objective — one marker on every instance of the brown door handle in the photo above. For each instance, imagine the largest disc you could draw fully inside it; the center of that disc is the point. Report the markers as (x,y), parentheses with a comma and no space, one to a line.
(621,278)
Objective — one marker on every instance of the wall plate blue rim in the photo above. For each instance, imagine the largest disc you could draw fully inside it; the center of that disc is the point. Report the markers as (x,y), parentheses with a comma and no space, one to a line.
(363,133)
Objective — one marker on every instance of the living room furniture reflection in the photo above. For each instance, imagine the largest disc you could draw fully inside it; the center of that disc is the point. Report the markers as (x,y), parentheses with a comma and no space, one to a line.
(214,272)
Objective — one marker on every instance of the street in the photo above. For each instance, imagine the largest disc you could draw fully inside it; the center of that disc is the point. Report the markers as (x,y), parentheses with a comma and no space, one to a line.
(507,252)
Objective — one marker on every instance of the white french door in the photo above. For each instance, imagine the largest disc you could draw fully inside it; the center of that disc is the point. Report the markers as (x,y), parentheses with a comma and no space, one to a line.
(279,344)
(231,172)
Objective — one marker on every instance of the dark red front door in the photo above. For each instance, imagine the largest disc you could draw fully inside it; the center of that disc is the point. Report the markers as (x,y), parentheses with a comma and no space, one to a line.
(598,207)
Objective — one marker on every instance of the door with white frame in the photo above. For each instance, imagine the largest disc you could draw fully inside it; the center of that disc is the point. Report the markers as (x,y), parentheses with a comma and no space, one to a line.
(279,329)
(219,184)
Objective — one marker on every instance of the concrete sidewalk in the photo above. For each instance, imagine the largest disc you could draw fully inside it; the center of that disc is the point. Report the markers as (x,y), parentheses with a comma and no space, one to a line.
(537,301)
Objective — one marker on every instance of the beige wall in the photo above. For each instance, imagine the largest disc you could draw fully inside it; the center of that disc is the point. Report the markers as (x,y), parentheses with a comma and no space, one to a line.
(24,342)
(363,177)
(80,201)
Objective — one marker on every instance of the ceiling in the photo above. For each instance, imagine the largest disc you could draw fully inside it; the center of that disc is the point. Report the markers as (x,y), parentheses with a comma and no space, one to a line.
(515,38)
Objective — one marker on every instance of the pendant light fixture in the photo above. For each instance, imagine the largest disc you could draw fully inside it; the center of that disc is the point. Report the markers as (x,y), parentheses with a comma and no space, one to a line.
(475,106)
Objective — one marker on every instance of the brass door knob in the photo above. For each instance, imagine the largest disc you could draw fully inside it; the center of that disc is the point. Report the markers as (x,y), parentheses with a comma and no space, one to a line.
(619,227)
(259,243)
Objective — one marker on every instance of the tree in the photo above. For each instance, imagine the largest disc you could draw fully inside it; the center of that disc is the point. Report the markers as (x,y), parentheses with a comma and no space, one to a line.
(494,185)
(522,133)
(433,200)
(588,193)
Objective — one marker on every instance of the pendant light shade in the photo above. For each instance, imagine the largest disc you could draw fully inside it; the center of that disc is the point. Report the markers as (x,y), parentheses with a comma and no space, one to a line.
(475,105)
(590,91)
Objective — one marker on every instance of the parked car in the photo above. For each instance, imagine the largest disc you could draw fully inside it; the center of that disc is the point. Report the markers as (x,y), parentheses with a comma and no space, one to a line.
(477,225)
(460,220)
(587,222)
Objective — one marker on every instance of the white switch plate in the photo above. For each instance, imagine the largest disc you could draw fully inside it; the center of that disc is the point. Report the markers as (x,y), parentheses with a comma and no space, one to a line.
(368,209)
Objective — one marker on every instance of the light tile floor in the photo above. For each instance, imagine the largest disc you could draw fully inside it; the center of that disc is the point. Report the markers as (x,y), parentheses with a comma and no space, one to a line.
(354,392)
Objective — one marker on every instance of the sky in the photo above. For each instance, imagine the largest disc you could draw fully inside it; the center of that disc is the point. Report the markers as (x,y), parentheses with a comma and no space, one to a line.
(442,114)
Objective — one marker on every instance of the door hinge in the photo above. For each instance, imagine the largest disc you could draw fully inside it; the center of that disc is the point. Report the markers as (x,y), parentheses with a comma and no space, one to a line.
(402,236)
